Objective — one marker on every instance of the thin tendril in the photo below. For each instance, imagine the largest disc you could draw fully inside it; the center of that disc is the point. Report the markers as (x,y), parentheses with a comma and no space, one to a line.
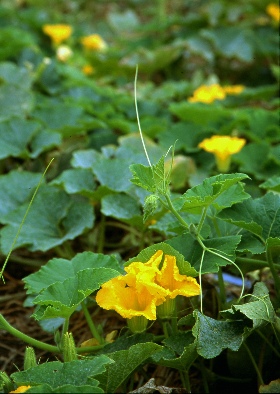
(137,116)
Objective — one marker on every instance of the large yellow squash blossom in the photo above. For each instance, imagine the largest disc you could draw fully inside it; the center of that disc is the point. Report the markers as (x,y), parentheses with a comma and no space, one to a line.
(209,93)
(93,42)
(146,286)
(273,10)
(58,33)
(223,147)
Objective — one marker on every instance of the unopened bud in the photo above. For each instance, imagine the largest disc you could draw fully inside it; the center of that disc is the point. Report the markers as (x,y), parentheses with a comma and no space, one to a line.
(29,358)
(5,383)
(68,348)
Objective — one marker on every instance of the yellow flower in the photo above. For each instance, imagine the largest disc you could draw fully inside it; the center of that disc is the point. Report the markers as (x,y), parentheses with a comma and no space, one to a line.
(173,282)
(273,10)
(93,42)
(129,296)
(88,69)
(222,147)
(207,94)
(21,389)
(58,33)
(146,286)
(235,89)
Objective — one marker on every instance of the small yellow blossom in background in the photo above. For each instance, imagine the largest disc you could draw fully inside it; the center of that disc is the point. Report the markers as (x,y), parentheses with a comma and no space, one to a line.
(93,42)
(21,389)
(63,53)
(88,69)
(235,89)
(145,287)
(58,33)
(207,94)
(273,10)
(222,147)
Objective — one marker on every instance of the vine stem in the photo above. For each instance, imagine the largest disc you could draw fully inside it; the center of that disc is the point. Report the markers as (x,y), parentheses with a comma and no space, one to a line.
(90,323)
(175,213)
(31,341)
(254,363)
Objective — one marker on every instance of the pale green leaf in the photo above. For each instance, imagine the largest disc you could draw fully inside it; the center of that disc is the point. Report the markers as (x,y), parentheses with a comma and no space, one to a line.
(58,270)
(61,299)
(221,191)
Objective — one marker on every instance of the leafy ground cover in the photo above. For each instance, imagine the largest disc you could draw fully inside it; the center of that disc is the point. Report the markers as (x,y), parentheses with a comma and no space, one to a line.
(141,262)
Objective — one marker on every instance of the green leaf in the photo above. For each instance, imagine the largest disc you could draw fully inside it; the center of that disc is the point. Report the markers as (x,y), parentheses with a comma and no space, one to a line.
(192,251)
(67,388)
(221,191)
(231,42)
(145,255)
(273,248)
(61,299)
(272,183)
(113,173)
(57,374)
(53,218)
(182,344)
(76,181)
(15,135)
(16,188)
(259,308)
(143,177)
(186,135)
(201,114)
(10,73)
(17,38)
(58,270)
(213,336)
(44,140)
(126,361)
(260,216)
(120,206)
(15,101)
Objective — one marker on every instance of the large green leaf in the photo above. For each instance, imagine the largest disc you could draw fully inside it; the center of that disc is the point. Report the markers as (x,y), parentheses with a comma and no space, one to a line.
(260,216)
(53,218)
(57,374)
(126,361)
(221,191)
(61,299)
(77,180)
(15,189)
(272,183)
(15,135)
(183,344)
(111,172)
(67,388)
(58,270)
(120,206)
(213,336)
(259,308)
(192,251)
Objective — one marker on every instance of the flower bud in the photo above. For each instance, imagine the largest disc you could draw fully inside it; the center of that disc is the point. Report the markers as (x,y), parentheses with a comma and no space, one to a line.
(68,347)
(5,382)
(29,358)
